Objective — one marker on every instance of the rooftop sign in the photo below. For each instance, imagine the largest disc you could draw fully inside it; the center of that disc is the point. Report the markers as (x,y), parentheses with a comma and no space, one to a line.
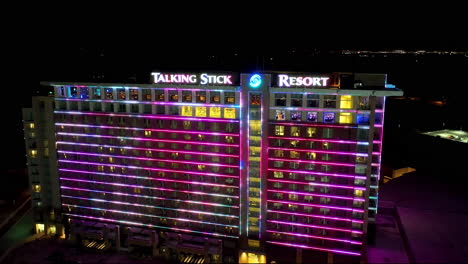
(197,78)
(285,80)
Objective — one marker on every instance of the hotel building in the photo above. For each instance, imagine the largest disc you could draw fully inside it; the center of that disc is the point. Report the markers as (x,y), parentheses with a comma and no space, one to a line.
(227,167)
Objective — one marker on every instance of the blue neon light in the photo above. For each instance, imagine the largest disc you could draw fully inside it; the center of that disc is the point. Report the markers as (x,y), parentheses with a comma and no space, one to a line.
(255,80)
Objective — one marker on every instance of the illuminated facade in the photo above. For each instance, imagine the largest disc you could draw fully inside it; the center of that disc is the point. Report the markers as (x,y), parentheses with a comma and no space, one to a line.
(222,165)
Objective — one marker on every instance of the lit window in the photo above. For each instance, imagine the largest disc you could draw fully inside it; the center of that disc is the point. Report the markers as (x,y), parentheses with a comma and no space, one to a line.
(215,97)
(326,145)
(33,153)
(363,119)
(279,153)
(296,116)
(148,153)
(187,96)
(346,118)
(358,193)
(294,155)
(201,167)
(112,168)
(100,168)
(279,130)
(293,197)
(280,115)
(295,131)
(31,125)
(229,139)
(121,94)
(36,188)
(346,102)
(200,111)
(294,143)
(361,160)
(147,133)
(111,159)
(311,131)
(186,110)
(229,98)
(278,174)
(312,116)
(187,125)
(215,112)
(201,96)
(360,169)
(136,190)
(311,155)
(230,113)
(278,164)
(329,117)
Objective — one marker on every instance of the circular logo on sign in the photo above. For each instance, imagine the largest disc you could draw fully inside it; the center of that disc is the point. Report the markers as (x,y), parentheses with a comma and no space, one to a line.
(255,80)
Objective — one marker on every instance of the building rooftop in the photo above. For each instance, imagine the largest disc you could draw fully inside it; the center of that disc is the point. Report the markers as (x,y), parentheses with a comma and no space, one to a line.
(454,135)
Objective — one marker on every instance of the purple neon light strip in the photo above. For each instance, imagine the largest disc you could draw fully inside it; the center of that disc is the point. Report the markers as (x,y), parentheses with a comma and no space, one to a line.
(316,248)
(148,215)
(145,196)
(149,129)
(148,139)
(310,125)
(151,149)
(145,102)
(323,151)
(318,216)
(319,206)
(147,206)
(146,187)
(148,159)
(320,184)
(148,225)
(316,162)
(316,237)
(149,178)
(319,140)
(147,168)
(321,173)
(316,226)
(318,195)
(150,116)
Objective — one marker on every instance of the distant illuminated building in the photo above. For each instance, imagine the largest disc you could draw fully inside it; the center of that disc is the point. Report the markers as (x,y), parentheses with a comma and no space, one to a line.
(229,167)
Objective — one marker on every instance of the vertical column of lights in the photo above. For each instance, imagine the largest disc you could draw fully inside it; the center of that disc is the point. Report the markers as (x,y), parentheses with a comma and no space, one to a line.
(343,240)
(69,176)
(254,186)
(377,165)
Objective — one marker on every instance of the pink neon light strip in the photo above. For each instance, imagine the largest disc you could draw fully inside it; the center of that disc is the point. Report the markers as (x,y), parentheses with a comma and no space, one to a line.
(148,225)
(147,139)
(145,196)
(149,178)
(150,116)
(148,215)
(318,195)
(323,151)
(146,187)
(315,226)
(150,159)
(321,173)
(152,149)
(147,206)
(146,168)
(320,184)
(319,140)
(150,129)
(315,162)
(316,248)
(317,216)
(318,205)
(317,237)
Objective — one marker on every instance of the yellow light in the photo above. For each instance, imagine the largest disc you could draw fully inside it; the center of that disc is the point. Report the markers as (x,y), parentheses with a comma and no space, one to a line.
(200,111)
(36,188)
(346,102)
(346,118)
(52,230)
(186,110)
(215,112)
(39,228)
(31,125)
(230,113)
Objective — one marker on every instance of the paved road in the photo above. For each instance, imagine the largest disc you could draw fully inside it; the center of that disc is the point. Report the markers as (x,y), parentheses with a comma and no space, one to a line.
(18,232)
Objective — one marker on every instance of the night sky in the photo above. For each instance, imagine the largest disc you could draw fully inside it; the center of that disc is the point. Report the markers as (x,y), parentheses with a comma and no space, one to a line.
(428,76)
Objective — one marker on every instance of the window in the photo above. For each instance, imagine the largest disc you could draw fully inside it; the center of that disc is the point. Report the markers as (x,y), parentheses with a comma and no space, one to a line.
(279,153)
(295,131)
(200,111)
(187,96)
(326,145)
(313,100)
(133,94)
(361,160)
(33,153)
(329,117)
(310,166)
(294,165)
(174,110)
(187,125)
(346,118)
(327,133)
(109,93)
(229,139)
(97,93)
(200,96)
(326,157)
(36,188)
(358,193)
(294,143)
(280,115)
(255,99)
(186,110)
(309,178)
(294,155)
(311,155)
(296,116)
(200,126)
(230,113)
(293,197)
(325,179)
(278,164)
(146,95)
(84,93)
(326,168)
(73,92)
(360,169)
(147,133)
(329,101)
(159,95)
(311,131)
(363,119)
(229,98)
(215,97)
(296,100)
(364,103)
(215,112)
(173,96)
(121,94)
(278,174)
(280,99)
(346,102)
(279,130)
